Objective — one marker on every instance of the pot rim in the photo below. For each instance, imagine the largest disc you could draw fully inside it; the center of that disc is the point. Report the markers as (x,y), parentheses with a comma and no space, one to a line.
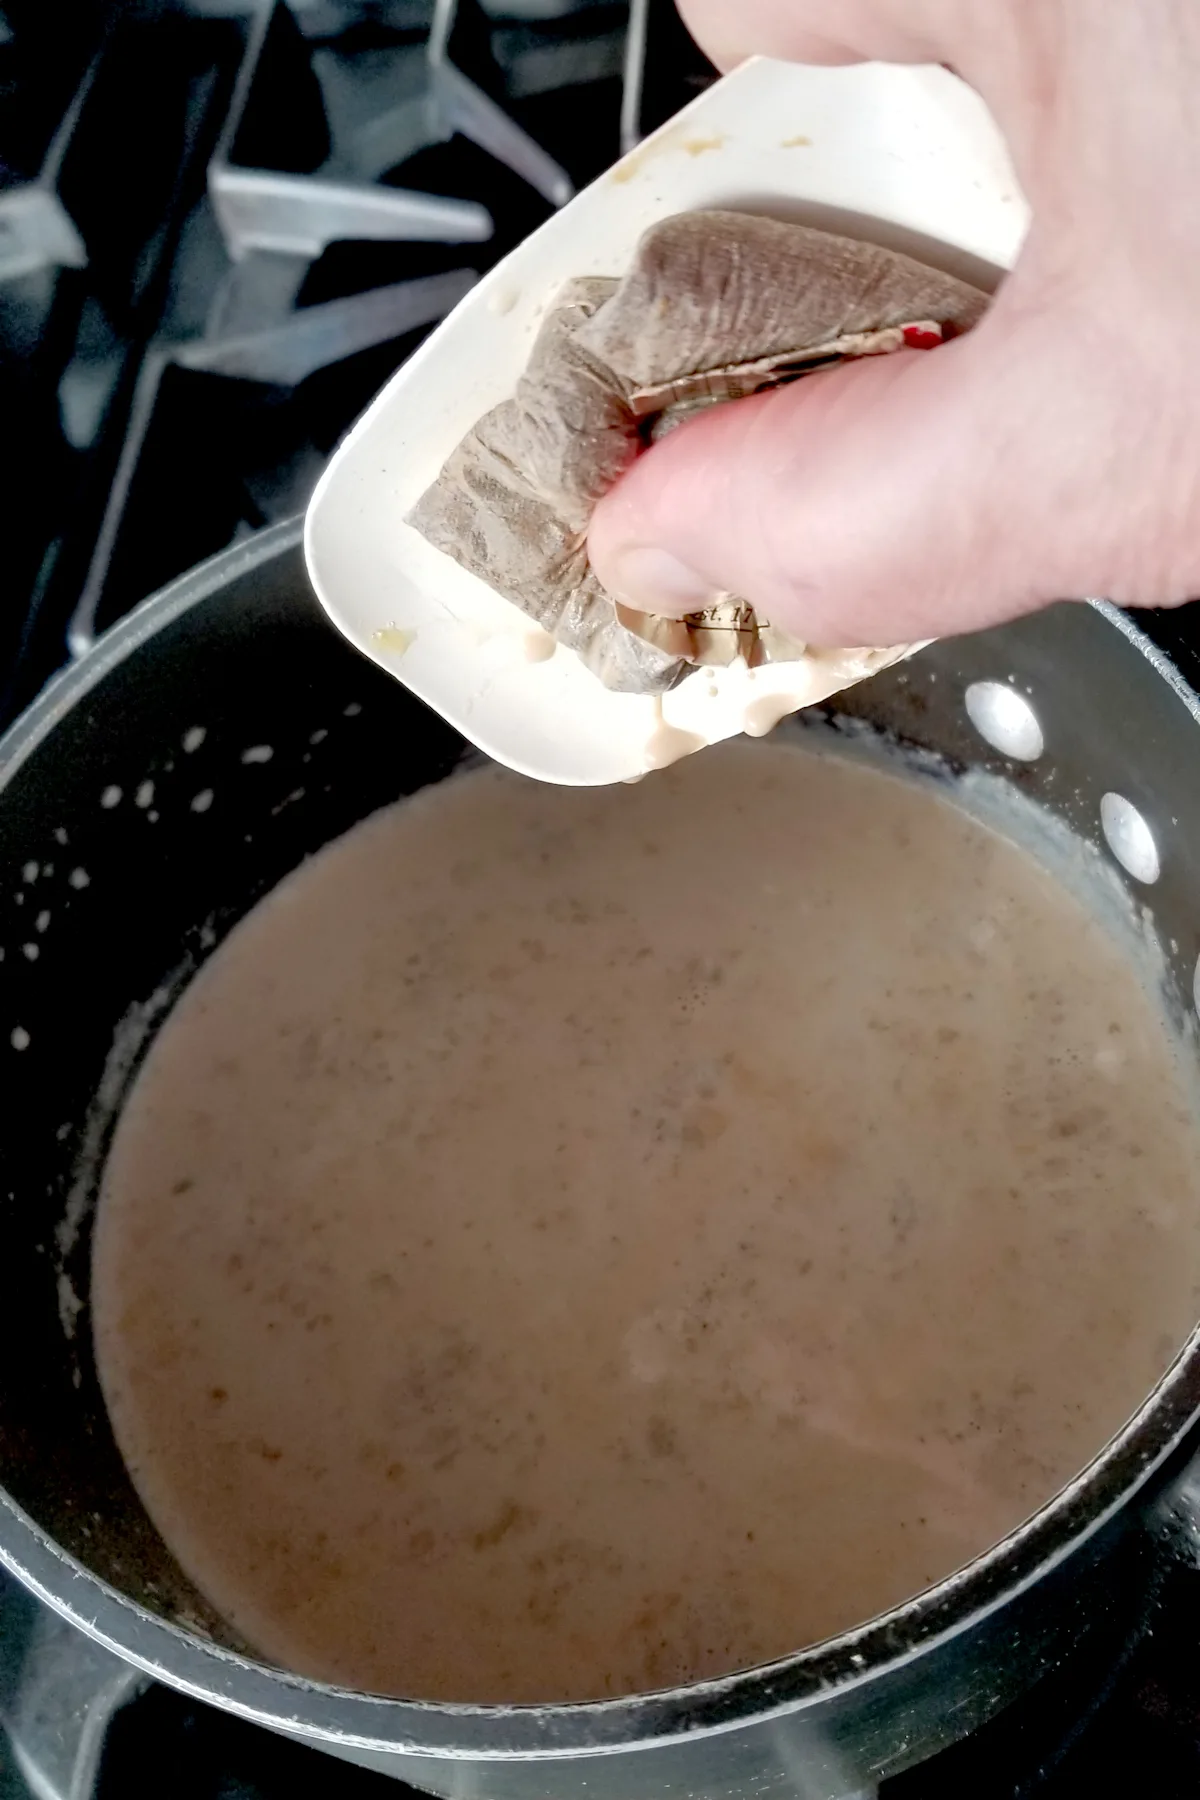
(353,1720)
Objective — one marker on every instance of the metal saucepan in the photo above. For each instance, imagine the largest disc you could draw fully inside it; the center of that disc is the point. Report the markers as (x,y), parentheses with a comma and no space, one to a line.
(134,835)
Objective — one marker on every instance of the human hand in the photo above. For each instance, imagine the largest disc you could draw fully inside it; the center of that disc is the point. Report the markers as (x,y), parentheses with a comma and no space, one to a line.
(1052,452)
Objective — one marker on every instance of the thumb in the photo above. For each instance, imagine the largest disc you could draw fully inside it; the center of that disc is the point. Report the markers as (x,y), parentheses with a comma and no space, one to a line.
(890,499)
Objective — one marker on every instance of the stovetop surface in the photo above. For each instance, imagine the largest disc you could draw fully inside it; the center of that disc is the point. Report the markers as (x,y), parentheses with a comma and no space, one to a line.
(172,380)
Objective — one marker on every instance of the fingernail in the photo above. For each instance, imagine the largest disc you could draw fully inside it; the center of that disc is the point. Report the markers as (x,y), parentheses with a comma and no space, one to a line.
(655,581)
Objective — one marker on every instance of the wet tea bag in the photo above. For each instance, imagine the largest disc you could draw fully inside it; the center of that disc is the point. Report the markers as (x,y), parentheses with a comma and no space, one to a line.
(715,306)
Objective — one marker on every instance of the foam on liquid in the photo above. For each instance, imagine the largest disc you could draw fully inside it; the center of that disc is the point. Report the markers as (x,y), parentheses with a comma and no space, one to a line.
(569,1242)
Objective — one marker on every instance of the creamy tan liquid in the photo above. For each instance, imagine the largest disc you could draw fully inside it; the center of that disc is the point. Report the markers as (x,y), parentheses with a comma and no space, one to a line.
(570,1242)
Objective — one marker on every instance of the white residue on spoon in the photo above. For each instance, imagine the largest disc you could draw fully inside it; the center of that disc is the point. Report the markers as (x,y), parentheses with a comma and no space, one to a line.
(667,743)
(395,638)
(763,715)
(506,649)
(538,645)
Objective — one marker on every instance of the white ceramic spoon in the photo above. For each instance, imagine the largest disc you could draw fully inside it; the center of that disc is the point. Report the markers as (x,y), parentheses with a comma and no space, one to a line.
(906,157)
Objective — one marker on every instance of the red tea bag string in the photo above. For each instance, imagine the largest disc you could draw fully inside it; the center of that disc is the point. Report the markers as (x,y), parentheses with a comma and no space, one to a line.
(739,380)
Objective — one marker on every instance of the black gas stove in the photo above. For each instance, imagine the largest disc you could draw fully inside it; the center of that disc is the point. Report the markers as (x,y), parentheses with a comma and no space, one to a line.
(223,224)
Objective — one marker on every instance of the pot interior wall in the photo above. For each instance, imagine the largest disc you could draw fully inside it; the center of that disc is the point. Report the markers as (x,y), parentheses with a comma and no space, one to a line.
(138,830)
(133,838)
